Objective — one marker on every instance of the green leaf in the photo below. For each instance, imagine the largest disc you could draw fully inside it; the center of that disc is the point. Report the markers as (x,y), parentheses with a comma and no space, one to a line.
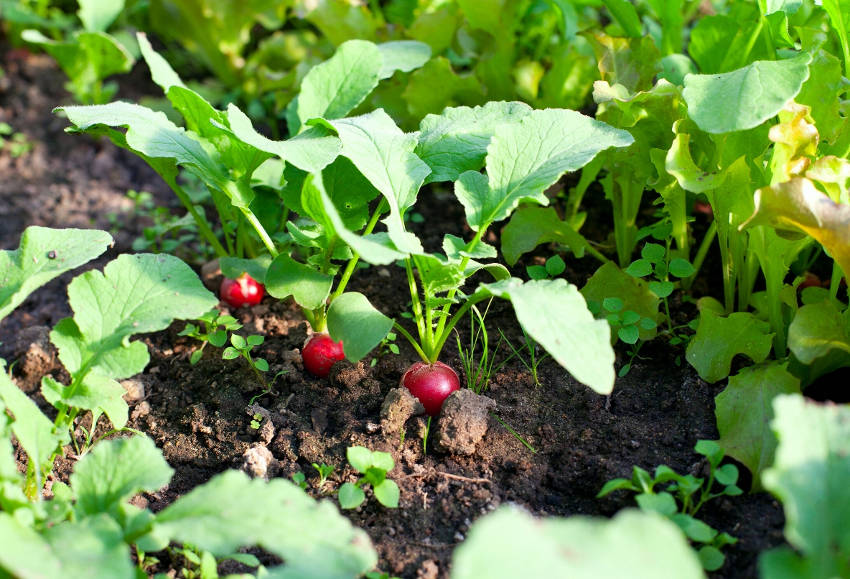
(350,496)
(681,268)
(533,226)
(94,392)
(287,277)
(611,282)
(334,88)
(797,205)
(639,268)
(361,327)
(135,294)
(661,288)
(525,158)
(820,331)
(810,477)
(456,140)
(359,457)
(455,249)
(233,267)
(311,150)
(115,471)
(34,431)
(387,494)
(720,339)
(402,55)
(97,15)
(419,93)
(508,544)
(231,511)
(91,547)
(25,553)
(744,98)
(384,155)
(626,16)
(662,503)
(161,72)
(43,255)
(555,315)
(693,528)
(744,411)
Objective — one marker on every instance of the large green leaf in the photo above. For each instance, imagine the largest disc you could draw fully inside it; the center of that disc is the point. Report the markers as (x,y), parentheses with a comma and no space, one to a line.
(509,544)
(525,158)
(94,392)
(744,98)
(25,553)
(91,547)
(533,226)
(307,285)
(744,411)
(232,511)
(384,155)
(456,140)
(555,314)
(797,205)
(355,321)
(719,339)
(817,330)
(334,88)
(44,254)
(97,15)
(402,55)
(115,471)
(810,476)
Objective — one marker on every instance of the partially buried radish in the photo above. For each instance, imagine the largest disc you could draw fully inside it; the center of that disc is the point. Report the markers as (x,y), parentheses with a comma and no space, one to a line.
(242,291)
(319,354)
(431,384)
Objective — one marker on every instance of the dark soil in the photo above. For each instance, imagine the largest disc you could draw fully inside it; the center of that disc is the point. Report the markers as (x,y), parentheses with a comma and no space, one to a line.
(200,417)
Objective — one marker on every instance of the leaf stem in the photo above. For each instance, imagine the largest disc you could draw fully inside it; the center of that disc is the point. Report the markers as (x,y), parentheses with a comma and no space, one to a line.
(352,263)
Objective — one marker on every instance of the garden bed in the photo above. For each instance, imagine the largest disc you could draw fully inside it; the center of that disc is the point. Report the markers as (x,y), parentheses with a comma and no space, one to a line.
(200,416)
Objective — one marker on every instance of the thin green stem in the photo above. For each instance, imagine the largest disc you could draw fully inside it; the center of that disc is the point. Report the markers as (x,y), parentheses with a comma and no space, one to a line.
(261,231)
(415,303)
(352,263)
(412,341)
(441,331)
(702,252)
(442,337)
(203,227)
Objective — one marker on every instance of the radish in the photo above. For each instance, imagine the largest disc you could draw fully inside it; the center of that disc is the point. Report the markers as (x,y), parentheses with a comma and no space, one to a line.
(431,384)
(319,354)
(242,291)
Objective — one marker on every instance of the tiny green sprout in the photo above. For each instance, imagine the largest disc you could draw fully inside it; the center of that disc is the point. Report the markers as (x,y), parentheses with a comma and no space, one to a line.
(256,421)
(17,144)
(374,466)
(242,347)
(324,470)
(681,497)
(387,346)
(300,479)
(479,373)
(553,267)
(530,347)
(215,328)
(655,261)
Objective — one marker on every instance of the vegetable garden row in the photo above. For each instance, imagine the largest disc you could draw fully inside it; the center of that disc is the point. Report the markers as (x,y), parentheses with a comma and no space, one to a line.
(494,251)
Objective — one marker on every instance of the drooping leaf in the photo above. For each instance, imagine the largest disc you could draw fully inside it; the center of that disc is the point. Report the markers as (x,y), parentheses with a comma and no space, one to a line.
(818,329)
(384,155)
(810,477)
(161,72)
(509,544)
(456,140)
(533,226)
(355,321)
(43,255)
(744,411)
(555,315)
(797,205)
(334,88)
(232,511)
(719,339)
(525,158)
(744,98)
(287,277)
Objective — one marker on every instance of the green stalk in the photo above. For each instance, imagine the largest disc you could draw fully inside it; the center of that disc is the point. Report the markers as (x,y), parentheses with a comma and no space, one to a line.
(203,226)
(702,252)
(413,342)
(261,231)
(352,263)
(415,303)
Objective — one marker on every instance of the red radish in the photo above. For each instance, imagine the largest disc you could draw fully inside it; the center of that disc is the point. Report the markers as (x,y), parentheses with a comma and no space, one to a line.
(431,384)
(242,291)
(319,354)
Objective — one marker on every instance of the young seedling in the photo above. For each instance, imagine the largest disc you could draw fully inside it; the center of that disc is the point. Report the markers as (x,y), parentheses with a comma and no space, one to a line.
(374,466)
(17,143)
(387,346)
(529,347)
(478,374)
(553,267)
(324,470)
(215,328)
(300,479)
(682,496)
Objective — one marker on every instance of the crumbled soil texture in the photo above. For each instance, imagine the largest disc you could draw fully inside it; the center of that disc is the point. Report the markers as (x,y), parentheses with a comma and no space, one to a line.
(201,415)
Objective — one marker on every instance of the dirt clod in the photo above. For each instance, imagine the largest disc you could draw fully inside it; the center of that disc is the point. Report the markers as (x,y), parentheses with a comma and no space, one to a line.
(398,406)
(36,356)
(463,422)
(258,462)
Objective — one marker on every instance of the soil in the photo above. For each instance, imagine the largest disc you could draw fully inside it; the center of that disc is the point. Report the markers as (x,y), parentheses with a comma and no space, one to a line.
(200,416)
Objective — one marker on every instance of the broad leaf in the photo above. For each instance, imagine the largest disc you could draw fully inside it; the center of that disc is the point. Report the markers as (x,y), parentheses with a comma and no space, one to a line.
(94,392)
(456,140)
(287,277)
(810,477)
(744,98)
(533,226)
(232,511)
(334,88)
(555,315)
(744,411)
(97,15)
(402,55)
(609,281)
(797,205)
(509,544)
(91,547)
(384,155)
(233,267)
(25,553)
(361,327)
(818,329)
(43,255)
(720,339)
(115,471)
(525,158)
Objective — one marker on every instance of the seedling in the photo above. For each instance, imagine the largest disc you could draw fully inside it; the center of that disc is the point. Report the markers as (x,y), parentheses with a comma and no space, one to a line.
(300,479)
(529,348)
(324,470)
(387,346)
(479,374)
(374,466)
(682,496)
(553,267)
(17,143)
(216,325)
(256,421)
